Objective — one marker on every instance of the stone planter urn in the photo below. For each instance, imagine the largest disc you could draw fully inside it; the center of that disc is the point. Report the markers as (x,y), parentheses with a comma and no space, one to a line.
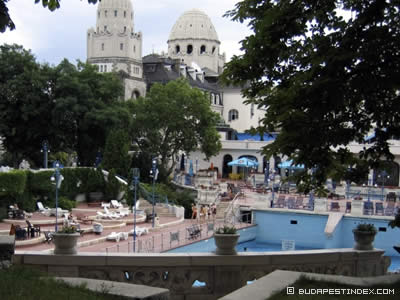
(364,240)
(226,243)
(65,243)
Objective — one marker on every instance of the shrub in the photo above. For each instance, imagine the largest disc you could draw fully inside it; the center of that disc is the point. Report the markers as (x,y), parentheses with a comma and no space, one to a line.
(95,181)
(366,227)
(112,186)
(226,230)
(116,154)
(13,183)
(66,203)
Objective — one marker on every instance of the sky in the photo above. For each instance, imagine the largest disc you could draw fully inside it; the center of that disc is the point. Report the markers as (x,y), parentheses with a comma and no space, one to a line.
(53,36)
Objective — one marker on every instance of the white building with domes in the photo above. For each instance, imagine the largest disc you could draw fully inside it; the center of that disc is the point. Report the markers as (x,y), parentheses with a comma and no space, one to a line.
(193,53)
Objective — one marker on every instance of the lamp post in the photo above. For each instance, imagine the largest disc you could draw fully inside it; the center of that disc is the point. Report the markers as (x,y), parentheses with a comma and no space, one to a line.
(57,178)
(135,182)
(348,182)
(153,173)
(45,150)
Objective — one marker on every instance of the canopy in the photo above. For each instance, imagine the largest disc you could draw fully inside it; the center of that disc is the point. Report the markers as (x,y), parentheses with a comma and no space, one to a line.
(288,165)
(243,162)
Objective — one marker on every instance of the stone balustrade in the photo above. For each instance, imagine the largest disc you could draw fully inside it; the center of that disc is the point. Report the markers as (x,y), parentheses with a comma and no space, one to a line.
(217,275)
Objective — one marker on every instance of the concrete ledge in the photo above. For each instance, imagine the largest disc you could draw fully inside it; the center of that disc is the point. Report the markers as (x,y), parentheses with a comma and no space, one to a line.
(126,290)
(278,280)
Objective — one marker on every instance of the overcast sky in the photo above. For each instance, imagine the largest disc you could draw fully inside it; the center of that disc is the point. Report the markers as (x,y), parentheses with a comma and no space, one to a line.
(53,36)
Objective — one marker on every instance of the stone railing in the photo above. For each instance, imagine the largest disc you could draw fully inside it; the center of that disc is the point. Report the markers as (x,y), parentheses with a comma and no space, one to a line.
(216,275)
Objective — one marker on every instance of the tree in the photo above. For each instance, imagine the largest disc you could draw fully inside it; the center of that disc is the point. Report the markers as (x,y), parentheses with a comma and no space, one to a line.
(116,154)
(7,22)
(327,73)
(172,118)
(25,106)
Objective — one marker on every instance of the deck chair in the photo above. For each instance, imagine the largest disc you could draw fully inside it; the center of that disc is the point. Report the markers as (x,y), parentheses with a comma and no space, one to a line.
(140,231)
(123,211)
(115,204)
(112,214)
(368,208)
(291,202)
(379,208)
(389,210)
(299,202)
(281,201)
(44,210)
(114,236)
(335,206)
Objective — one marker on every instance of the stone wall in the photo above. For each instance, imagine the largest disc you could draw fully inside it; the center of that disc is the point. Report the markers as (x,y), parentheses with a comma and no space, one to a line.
(219,275)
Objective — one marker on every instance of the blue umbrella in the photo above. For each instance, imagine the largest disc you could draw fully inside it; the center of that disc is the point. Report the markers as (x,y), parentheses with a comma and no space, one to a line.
(289,165)
(243,162)
(191,168)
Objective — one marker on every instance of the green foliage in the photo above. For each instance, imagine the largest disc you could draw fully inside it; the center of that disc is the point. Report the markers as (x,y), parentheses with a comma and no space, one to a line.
(3,213)
(324,80)
(68,229)
(95,181)
(62,157)
(226,230)
(113,186)
(174,117)
(366,227)
(40,183)
(396,221)
(65,203)
(116,152)
(13,182)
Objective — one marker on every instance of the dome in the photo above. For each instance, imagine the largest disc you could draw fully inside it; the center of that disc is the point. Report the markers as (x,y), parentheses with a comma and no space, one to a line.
(104,4)
(193,24)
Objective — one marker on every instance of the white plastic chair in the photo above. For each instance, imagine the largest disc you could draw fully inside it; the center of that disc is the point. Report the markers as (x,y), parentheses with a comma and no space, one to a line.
(116,204)
(44,210)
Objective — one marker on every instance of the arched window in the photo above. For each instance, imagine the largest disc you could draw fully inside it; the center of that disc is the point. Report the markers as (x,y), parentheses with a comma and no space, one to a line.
(102,46)
(212,98)
(101,68)
(202,49)
(217,99)
(177,49)
(233,115)
(105,27)
(124,14)
(105,13)
(135,94)
(121,46)
(134,48)
(189,49)
(115,13)
(105,68)
(213,50)
(124,28)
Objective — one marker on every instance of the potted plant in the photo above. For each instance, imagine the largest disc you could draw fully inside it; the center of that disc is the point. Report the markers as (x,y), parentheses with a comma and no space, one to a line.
(226,238)
(396,223)
(66,240)
(364,235)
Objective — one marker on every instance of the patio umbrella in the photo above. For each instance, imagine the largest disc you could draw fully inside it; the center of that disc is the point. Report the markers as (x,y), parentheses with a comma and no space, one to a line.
(243,162)
(289,165)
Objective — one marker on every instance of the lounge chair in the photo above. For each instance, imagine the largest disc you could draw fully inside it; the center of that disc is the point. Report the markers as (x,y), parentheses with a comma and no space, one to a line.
(117,236)
(123,211)
(103,205)
(368,208)
(281,201)
(379,208)
(139,231)
(44,210)
(389,210)
(115,204)
(335,206)
(112,214)
(108,215)
(299,202)
(291,202)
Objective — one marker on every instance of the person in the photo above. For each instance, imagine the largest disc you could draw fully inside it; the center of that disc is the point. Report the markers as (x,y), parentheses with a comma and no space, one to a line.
(214,210)
(194,211)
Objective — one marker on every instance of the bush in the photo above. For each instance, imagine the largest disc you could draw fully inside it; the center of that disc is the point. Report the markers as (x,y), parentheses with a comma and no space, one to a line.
(95,181)
(113,186)
(116,154)
(13,183)
(66,203)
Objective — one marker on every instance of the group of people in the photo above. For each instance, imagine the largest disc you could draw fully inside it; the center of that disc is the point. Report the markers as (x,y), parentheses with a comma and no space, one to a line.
(206,211)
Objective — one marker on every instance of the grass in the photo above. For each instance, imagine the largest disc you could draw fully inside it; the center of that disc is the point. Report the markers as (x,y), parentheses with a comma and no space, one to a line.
(311,286)
(28,284)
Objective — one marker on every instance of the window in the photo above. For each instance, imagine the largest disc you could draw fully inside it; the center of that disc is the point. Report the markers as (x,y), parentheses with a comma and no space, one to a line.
(121,46)
(212,98)
(115,13)
(189,49)
(213,49)
(217,99)
(124,13)
(101,68)
(177,49)
(105,13)
(134,48)
(233,115)
(105,27)
(202,49)
(124,28)
(251,110)
(98,15)
(105,68)
(102,46)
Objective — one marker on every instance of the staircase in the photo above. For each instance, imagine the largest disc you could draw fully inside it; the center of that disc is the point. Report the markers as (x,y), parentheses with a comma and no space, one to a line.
(221,208)
(160,210)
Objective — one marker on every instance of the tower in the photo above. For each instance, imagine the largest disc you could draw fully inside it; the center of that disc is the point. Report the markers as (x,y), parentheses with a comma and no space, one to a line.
(193,39)
(114,45)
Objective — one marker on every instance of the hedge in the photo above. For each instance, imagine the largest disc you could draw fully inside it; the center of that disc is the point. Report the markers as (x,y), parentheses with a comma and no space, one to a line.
(13,182)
